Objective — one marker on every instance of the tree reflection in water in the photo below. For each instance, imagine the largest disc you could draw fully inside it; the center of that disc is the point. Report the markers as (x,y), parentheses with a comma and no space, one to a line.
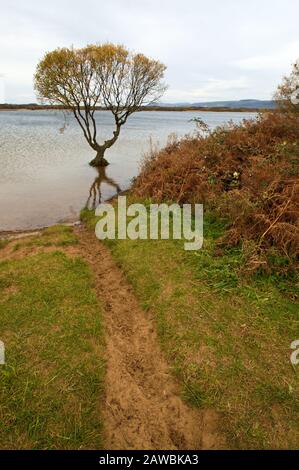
(95,194)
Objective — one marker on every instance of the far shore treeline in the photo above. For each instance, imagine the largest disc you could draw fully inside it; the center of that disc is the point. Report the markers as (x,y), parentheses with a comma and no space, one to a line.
(37,107)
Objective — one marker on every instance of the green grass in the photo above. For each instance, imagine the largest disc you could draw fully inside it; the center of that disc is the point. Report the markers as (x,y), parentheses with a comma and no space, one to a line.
(52,382)
(226,338)
(57,235)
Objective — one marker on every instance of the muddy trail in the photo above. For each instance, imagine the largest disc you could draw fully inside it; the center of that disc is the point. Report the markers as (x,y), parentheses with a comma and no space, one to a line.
(143,408)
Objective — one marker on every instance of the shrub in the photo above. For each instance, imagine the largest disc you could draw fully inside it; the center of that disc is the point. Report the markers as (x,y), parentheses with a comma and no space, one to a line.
(246,172)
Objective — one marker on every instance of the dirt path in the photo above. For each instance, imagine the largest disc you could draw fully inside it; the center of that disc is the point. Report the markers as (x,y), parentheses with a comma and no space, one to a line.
(143,408)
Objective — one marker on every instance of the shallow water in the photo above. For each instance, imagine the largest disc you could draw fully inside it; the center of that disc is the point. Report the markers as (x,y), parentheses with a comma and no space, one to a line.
(44,173)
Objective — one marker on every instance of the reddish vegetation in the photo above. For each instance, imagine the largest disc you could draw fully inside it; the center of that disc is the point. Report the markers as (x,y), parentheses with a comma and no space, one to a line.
(246,172)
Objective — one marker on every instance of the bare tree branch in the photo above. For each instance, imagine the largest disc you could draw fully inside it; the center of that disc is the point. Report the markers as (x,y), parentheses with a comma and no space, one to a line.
(99,75)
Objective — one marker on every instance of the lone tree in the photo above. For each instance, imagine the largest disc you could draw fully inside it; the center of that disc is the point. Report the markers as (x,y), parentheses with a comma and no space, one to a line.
(106,75)
(287,95)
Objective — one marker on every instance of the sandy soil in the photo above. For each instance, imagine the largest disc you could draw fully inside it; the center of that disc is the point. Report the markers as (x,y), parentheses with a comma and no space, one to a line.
(143,408)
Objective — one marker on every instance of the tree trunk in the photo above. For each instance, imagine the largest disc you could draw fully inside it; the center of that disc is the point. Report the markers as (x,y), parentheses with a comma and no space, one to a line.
(99,159)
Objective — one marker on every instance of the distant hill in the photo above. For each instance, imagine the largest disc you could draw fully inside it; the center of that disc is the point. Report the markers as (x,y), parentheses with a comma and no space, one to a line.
(250,103)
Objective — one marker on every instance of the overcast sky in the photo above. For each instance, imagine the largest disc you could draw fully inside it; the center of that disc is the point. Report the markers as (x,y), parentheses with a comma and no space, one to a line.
(213,49)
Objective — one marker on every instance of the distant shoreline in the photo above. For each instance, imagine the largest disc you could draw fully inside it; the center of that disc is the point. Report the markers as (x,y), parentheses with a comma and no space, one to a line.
(12,107)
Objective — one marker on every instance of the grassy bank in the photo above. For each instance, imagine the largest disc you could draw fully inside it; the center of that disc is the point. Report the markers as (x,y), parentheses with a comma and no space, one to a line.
(226,337)
(230,311)
(51,384)
(247,172)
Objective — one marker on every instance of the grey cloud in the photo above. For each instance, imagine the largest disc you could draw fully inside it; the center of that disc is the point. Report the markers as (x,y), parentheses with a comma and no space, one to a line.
(214,50)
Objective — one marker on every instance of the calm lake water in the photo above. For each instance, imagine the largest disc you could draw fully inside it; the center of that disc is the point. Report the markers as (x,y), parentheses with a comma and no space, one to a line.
(44,173)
